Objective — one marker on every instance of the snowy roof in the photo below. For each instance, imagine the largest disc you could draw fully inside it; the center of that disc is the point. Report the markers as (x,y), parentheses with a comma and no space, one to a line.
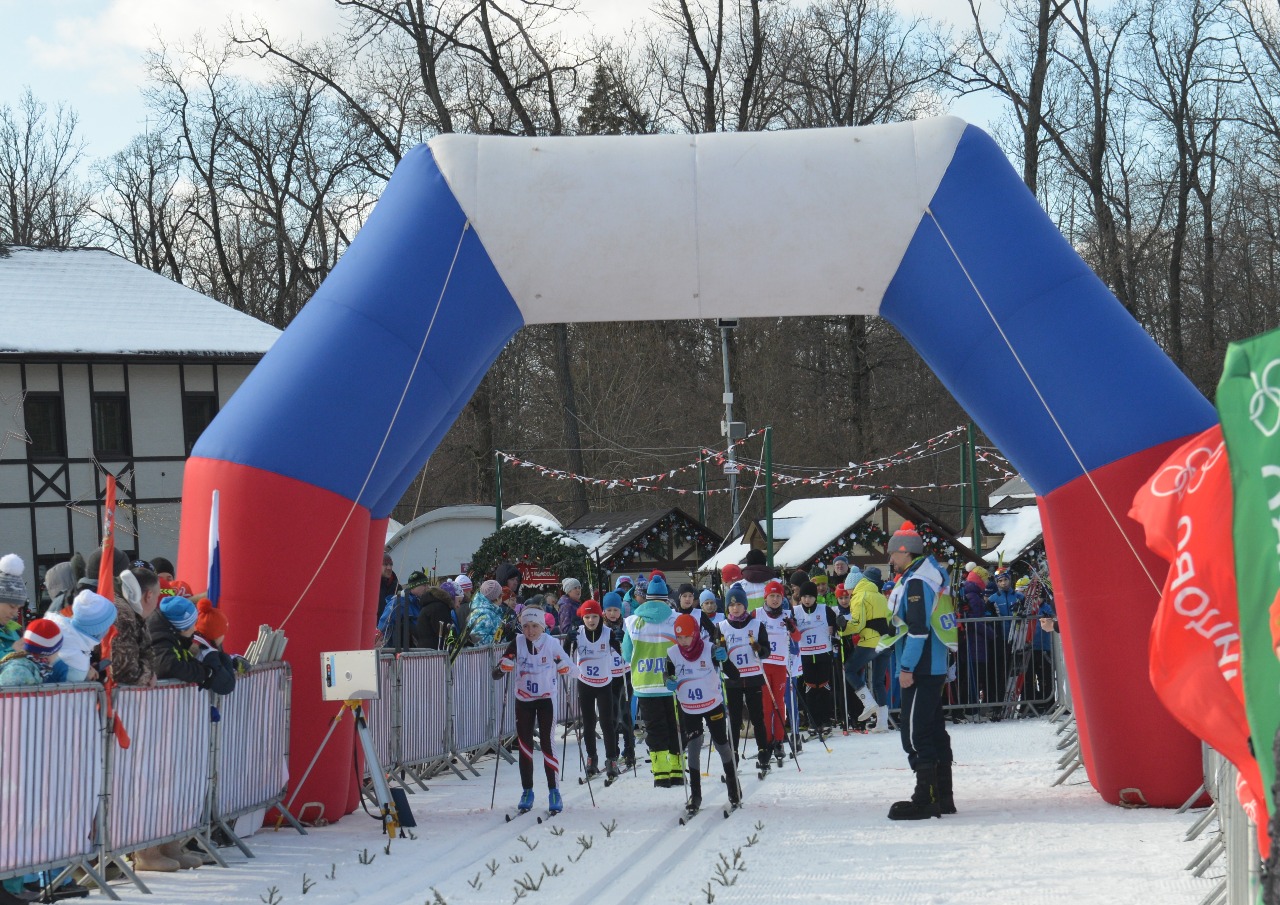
(602,533)
(546,526)
(1014,489)
(733,552)
(1020,527)
(88,301)
(809,525)
(605,533)
(531,509)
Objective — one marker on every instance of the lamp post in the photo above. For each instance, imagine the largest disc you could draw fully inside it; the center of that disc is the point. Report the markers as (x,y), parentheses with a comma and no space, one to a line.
(730,429)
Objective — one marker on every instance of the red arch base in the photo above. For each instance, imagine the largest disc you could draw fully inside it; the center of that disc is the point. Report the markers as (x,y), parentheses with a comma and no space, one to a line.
(270,550)
(1133,748)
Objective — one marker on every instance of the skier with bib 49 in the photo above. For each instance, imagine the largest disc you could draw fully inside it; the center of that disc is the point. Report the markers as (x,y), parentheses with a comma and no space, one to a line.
(537,660)
(693,676)
(919,600)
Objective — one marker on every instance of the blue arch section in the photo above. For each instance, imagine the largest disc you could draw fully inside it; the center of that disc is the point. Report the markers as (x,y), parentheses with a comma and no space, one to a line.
(363,328)
(1111,388)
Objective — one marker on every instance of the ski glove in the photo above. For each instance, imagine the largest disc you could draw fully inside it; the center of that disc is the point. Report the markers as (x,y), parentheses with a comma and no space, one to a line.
(507,664)
(671,683)
(719,654)
(562,669)
(789,623)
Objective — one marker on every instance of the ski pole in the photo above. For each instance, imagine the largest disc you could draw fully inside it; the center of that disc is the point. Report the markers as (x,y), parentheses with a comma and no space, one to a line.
(502,715)
(844,684)
(564,683)
(776,714)
(684,780)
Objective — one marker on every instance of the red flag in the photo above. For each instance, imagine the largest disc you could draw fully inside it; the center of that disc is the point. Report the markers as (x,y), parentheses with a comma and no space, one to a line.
(1185,509)
(106,587)
(106,571)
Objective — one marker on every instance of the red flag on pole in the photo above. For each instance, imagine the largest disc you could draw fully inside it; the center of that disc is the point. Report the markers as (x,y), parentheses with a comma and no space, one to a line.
(106,571)
(106,587)
(1186,509)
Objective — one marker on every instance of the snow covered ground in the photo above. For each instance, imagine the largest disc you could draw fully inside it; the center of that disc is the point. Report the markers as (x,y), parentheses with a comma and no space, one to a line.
(816,836)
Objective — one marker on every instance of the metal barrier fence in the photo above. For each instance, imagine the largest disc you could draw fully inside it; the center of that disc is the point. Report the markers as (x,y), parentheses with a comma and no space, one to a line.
(436,715)
(251,767)
(167,761)
(49,806)
(69,793)
(422,712)
(1006,667)
(1235,835)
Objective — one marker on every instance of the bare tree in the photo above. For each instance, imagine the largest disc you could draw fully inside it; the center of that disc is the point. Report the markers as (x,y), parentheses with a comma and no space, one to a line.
(42,199)
(1181,81)
(146,218)
(1017,68)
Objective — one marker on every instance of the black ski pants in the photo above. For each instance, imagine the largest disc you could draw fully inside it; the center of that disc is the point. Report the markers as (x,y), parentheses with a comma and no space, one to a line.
(592,698)
(921,722)
(542,713)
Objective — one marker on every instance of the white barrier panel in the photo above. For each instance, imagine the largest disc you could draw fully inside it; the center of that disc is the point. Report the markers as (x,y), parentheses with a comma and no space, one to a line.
(160,782)
(383,715)
(472,698)
(423,707)
(567,704)
(506,701)
(50,775)
(254,737)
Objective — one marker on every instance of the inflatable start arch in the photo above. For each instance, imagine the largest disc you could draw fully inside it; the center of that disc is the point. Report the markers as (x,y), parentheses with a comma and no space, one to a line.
(925,224)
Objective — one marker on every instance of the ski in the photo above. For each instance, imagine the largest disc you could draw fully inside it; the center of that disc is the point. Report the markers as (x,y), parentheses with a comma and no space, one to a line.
(519,811)
(548,815)
(688,815)
(732,806)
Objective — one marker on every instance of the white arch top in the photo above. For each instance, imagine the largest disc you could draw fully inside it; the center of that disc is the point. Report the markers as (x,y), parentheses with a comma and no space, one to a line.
(697,226)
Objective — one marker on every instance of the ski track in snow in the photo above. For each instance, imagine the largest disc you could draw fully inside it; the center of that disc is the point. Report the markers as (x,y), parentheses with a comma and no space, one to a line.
(825,838)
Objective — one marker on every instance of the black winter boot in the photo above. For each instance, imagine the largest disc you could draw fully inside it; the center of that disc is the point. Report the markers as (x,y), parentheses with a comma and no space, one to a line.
(946,795)
(924,800)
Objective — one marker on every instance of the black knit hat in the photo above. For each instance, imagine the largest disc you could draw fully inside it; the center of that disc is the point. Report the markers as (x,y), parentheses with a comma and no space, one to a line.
(798,577)
(754,557)
(808,589)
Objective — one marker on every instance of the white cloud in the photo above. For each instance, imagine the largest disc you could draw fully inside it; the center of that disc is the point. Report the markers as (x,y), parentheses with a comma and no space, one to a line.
(107,48)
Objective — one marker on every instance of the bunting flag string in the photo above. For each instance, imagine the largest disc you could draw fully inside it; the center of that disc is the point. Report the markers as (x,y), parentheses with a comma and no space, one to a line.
(841,478)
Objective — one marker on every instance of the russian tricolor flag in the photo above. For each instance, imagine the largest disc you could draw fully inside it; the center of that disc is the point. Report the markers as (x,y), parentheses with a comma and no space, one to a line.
(214,584)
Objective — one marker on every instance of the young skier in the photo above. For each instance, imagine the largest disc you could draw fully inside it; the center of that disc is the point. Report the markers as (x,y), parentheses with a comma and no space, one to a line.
(817,624)
(745,638)
(537,660)
(780,630)
(593,647)
(687,602)
(621,685)
(693,675)
(650,633)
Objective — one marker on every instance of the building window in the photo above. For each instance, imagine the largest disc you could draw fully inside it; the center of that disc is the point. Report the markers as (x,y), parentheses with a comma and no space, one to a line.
(42,413)
(198,410)
(112,438)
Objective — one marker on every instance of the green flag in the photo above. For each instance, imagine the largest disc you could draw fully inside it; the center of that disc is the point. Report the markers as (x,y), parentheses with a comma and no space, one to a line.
(1249,405)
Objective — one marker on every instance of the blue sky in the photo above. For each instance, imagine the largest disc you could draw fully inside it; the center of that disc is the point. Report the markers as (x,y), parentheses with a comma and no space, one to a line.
(89,53)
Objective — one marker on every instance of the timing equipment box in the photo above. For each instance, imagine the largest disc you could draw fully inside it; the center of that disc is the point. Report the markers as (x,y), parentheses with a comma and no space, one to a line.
(350,675)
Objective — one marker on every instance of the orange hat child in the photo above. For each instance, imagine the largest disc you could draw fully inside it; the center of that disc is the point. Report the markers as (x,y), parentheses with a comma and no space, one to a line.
(211,623)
